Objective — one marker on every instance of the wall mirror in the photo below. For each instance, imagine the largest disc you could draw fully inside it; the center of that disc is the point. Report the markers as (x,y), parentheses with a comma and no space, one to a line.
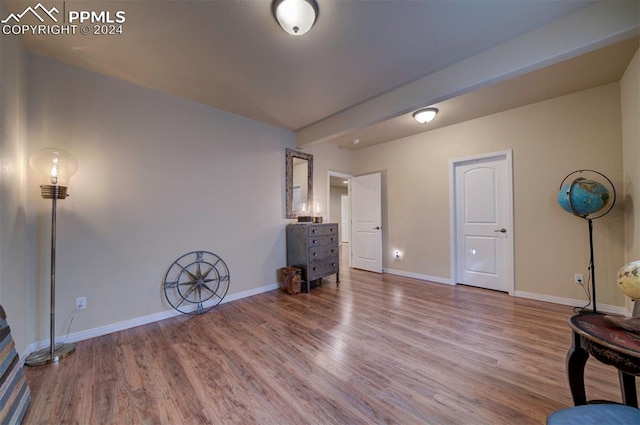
(299,184)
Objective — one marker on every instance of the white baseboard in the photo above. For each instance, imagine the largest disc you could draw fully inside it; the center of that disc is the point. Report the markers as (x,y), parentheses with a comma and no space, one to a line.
(435,279)
(138,321)
(604,308)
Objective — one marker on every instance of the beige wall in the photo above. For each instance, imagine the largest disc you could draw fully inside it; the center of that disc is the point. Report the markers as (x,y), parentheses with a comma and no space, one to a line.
(327,157)
(630,99)
(158,176)
(549,140)
(13,230)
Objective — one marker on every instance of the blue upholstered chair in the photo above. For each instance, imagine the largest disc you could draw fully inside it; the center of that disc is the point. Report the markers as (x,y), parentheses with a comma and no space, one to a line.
(596,414)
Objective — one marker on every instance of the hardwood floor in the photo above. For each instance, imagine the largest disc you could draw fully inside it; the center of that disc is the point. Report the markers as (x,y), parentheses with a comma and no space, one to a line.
(380,349)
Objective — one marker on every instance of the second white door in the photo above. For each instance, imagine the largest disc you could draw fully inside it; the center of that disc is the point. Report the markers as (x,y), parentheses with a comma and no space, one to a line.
(366,222)
(482,215)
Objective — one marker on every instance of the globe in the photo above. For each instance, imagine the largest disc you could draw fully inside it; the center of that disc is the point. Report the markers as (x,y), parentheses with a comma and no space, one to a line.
(629,280)
(583,197)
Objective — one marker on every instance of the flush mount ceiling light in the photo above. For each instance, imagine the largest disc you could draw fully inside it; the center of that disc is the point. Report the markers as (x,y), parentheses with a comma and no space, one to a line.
(295,16)
(426,115)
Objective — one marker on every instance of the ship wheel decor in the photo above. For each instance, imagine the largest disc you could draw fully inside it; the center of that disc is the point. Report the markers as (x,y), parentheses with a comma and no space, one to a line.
(196,282)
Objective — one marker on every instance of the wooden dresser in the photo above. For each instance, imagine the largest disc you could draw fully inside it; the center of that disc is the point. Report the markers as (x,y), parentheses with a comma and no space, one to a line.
(314,249)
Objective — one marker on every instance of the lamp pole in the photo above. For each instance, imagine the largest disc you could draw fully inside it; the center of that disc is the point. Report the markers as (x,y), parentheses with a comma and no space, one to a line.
(52,324)
(53,353)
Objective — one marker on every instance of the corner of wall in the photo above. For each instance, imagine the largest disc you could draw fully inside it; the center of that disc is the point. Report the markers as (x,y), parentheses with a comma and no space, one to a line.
(630,106)
(13,153)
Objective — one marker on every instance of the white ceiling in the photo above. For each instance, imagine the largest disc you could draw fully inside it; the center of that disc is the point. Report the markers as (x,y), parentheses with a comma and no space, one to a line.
(231,54)
(602,66)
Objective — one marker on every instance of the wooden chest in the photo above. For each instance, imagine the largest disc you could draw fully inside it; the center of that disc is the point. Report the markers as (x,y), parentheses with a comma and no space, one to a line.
(314,249)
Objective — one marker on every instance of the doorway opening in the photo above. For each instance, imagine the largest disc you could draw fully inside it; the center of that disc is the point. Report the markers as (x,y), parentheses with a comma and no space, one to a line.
(338,207)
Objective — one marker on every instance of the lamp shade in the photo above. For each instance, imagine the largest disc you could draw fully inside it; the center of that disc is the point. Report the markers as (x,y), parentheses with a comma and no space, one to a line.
(54,166)
(295,16)
(425,116)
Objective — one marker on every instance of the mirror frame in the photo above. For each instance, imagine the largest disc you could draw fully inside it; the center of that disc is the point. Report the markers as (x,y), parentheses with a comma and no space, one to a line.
(290,154)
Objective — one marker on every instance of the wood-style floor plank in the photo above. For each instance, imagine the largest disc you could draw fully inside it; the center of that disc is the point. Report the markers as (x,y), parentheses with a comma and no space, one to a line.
(378,349)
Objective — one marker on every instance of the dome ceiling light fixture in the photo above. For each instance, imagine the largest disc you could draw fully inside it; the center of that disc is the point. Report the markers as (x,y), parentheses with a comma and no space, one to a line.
(295,16)
(425,115)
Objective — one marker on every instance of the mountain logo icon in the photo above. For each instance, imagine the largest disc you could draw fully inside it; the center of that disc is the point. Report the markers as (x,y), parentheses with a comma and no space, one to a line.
(34,11)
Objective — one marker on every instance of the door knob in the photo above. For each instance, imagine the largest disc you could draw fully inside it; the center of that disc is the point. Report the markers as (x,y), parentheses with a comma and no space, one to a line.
(503,230)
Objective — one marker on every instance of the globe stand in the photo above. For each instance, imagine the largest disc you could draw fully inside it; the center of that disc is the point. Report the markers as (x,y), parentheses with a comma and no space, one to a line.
(573,209)
(592,267)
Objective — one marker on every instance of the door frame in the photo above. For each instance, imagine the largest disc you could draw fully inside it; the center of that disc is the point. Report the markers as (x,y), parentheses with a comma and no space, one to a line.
(345,209)
(328,199)
(453,163)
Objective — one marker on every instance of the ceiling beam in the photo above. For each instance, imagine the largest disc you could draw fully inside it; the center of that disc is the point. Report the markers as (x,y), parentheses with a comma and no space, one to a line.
(593,27)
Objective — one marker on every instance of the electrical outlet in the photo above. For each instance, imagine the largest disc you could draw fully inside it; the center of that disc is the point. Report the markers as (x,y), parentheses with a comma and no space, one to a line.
(81,303)
(397,255)
(578,278)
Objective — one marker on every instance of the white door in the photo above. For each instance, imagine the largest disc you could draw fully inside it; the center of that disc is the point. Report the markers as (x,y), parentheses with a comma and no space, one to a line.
(483,222)
(345,220)
(366,222)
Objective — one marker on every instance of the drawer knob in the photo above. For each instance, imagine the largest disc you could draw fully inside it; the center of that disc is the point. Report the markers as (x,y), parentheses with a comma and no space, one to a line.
(315,254)
(314,269)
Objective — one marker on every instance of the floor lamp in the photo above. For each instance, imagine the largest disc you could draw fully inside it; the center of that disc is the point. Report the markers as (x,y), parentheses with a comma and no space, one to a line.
(55,168)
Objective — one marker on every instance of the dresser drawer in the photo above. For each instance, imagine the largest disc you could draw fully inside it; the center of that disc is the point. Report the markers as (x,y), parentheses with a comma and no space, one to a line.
(325,229)
(323,240)
(322,252)
(321,268)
